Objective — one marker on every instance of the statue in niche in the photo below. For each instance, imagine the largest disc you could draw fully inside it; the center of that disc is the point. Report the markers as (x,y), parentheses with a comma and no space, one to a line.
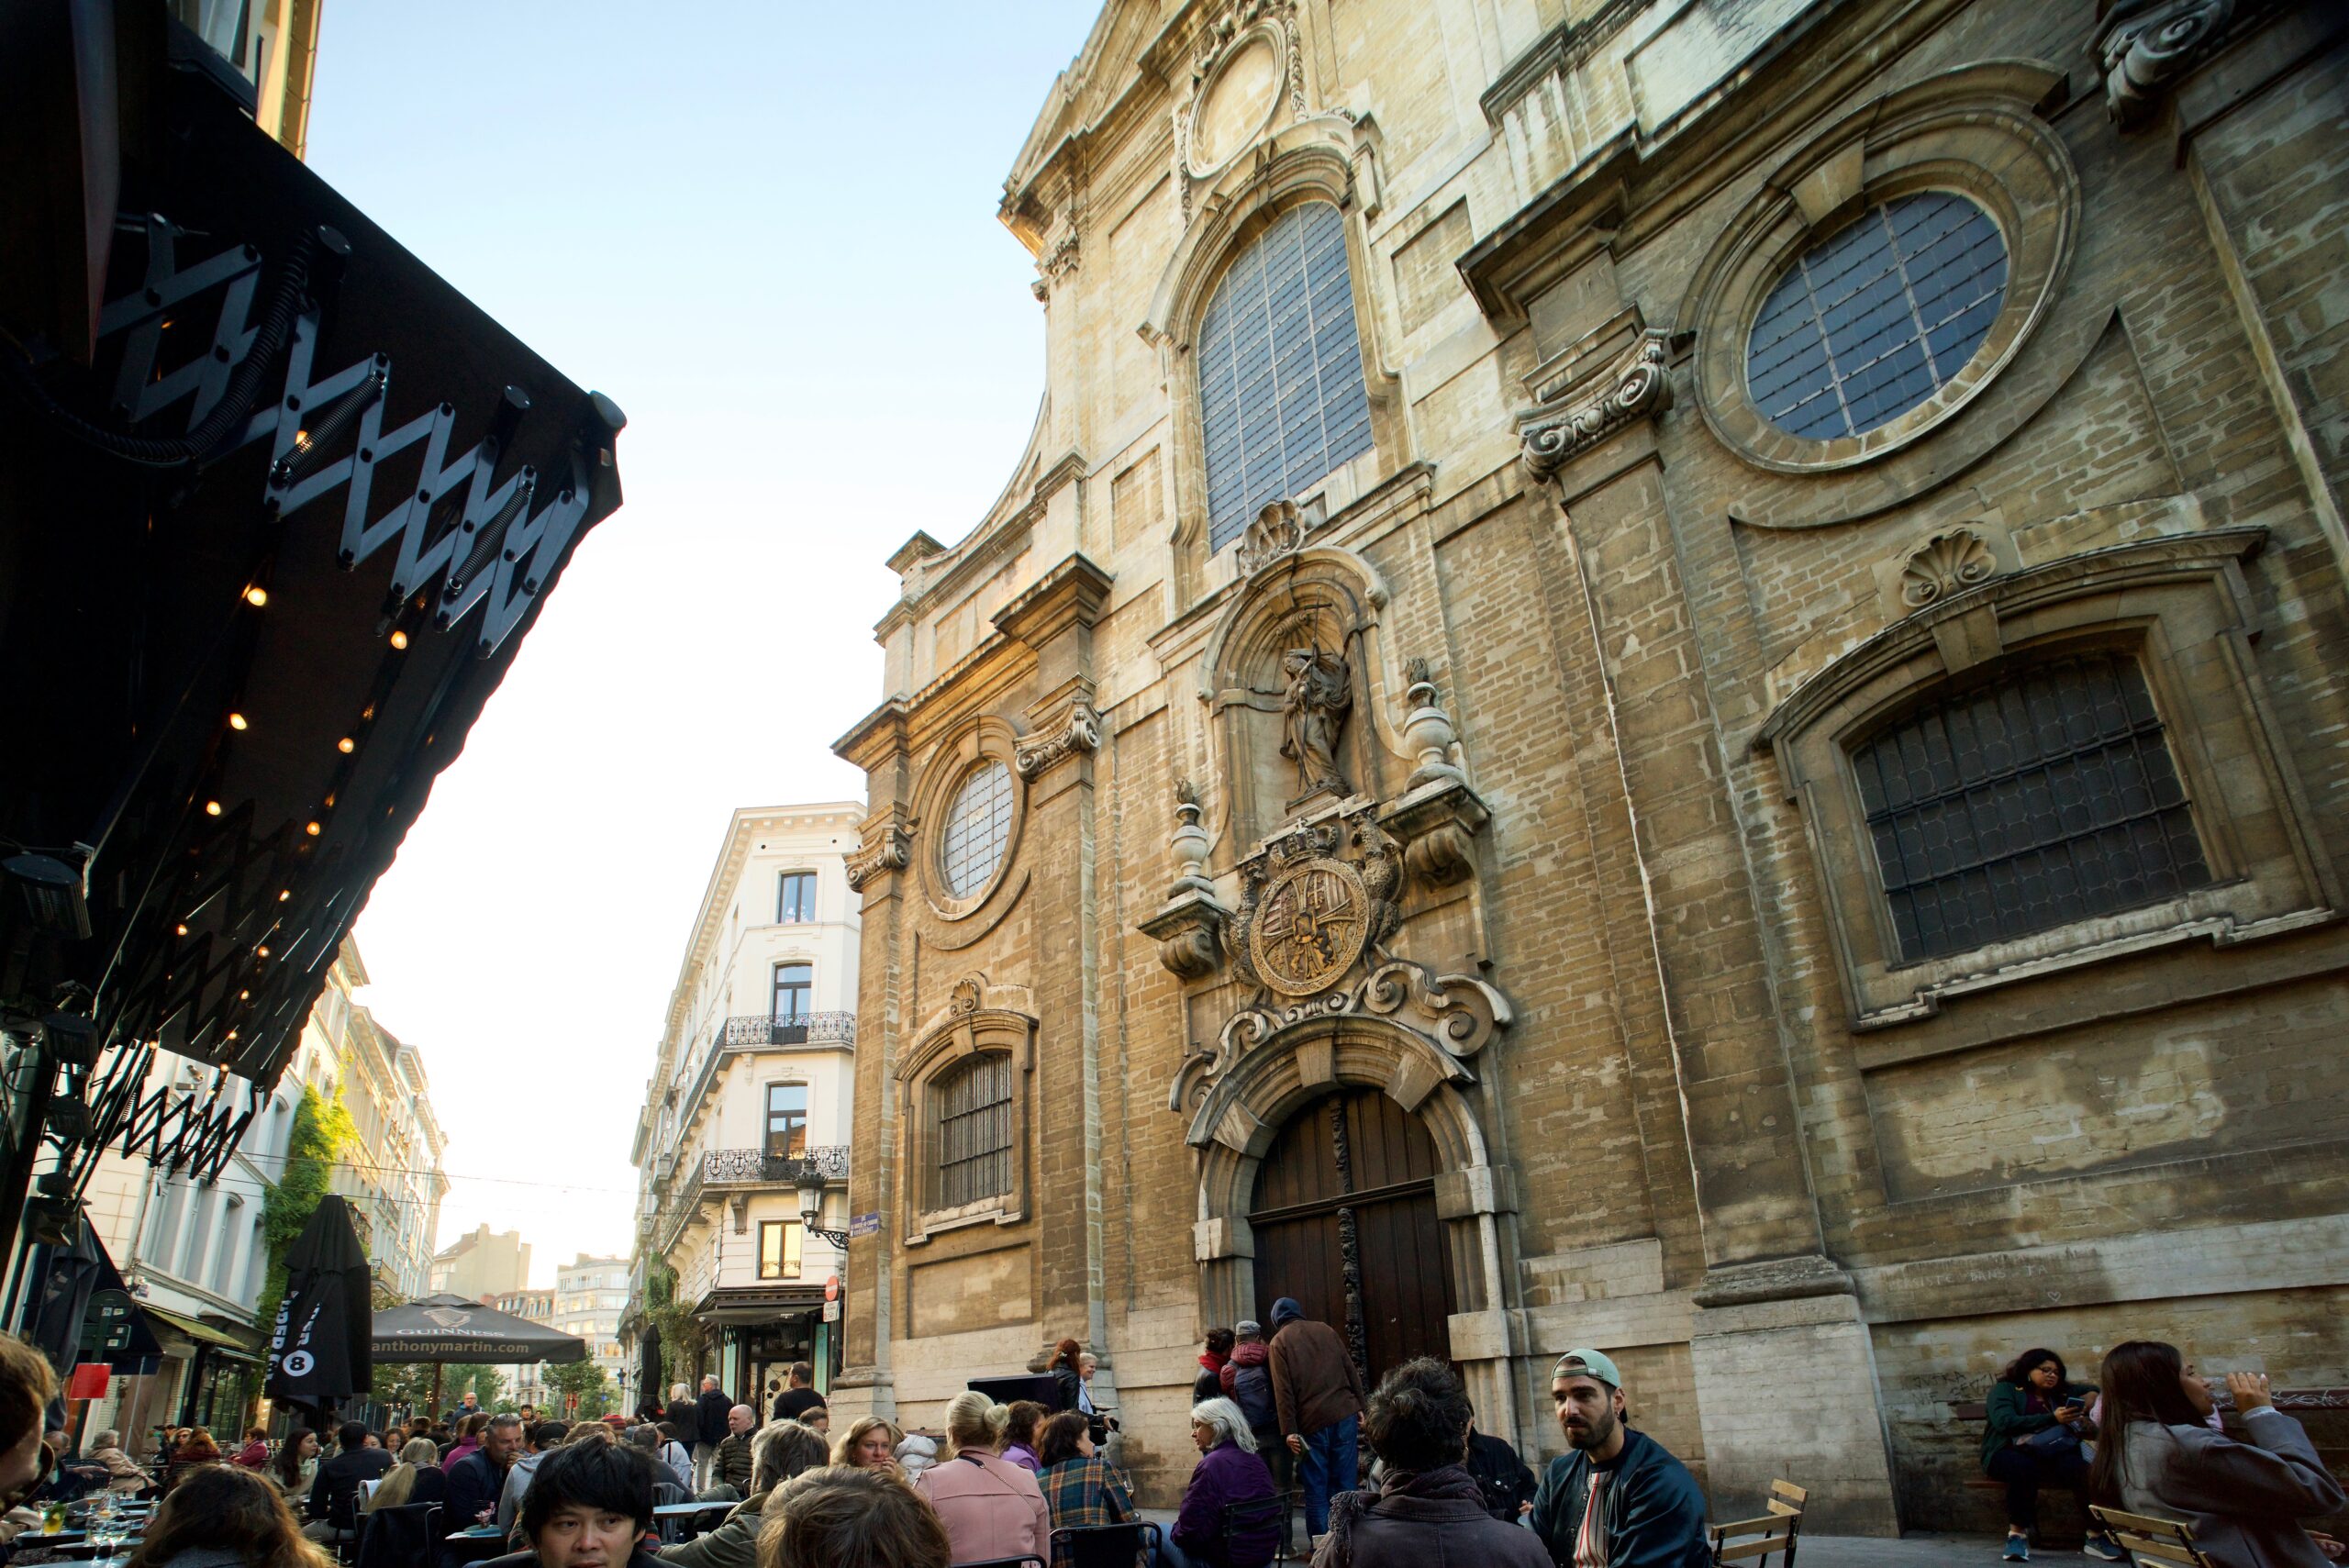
(1313,710)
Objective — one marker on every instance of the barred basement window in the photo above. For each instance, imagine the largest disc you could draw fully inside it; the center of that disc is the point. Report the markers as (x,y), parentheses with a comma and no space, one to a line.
(1879,318)
(2047,798)
(1281,398)
(978,825)
(974,1125)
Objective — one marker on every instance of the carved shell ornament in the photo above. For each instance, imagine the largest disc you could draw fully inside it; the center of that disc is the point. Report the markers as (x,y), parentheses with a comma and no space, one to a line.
(1947,563)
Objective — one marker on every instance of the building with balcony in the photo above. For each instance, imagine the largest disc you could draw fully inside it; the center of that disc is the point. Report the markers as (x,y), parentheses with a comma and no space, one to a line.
(590,1295)
(526,1381)
(750,1098)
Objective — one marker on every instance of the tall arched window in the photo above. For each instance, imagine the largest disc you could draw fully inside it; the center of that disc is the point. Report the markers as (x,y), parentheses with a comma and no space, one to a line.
(2046,798)
(974,1109)
(1281,395)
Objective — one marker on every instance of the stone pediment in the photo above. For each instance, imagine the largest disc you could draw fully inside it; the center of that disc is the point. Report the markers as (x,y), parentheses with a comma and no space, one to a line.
(1431,1026)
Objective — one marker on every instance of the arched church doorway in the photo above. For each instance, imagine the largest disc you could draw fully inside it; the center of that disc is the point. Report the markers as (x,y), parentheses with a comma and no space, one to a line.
(1356,1161)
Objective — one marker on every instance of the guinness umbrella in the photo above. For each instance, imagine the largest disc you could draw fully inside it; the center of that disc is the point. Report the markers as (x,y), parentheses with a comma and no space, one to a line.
(450,1328)
(318,1350)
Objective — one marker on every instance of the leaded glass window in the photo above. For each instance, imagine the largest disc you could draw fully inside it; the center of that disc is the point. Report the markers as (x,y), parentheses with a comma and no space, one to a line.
(1281,395)
(978,826)
(1877,317)
(2046,798)
(974,1143)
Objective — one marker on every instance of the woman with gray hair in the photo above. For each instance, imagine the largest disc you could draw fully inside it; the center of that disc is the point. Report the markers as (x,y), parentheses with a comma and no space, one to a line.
(1229,1471)
(780,1451)
(122,1474)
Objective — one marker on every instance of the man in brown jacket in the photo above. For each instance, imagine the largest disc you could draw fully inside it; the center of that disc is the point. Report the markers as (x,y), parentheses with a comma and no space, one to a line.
(1317,1389)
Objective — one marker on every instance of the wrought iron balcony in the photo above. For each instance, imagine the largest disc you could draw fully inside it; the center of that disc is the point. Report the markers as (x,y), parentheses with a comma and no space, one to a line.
(808,1028)
(733,1170)
(756,1167)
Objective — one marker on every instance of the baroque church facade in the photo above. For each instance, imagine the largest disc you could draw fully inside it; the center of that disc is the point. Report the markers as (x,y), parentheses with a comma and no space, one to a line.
(1664,676)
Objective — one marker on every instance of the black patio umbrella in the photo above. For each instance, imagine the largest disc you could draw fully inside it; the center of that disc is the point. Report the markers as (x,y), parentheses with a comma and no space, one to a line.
(450,1328)
(648,1368)
(319,1350)
(441,1328)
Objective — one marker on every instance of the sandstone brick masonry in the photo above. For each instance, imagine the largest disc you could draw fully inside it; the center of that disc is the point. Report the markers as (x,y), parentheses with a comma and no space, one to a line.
(1807,1191)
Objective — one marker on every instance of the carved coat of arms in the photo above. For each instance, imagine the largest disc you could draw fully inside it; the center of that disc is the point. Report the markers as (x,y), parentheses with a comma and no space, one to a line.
(1309,926)
(1306,916)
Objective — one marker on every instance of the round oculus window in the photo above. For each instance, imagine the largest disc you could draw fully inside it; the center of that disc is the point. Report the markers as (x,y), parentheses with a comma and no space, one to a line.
(1877,317)
(978,826)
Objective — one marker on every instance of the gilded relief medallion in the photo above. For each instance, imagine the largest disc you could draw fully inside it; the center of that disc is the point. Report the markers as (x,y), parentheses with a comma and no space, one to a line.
(1309,926)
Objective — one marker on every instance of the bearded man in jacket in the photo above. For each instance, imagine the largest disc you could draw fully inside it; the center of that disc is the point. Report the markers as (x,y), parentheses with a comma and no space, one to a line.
(1617,1499)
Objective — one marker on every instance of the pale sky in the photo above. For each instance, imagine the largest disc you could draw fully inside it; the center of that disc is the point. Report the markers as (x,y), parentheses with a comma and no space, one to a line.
(768,232)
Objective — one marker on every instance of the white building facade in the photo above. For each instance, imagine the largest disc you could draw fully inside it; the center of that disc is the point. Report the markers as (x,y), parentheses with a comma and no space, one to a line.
(193,1255)
(590,1296)
(750,1096)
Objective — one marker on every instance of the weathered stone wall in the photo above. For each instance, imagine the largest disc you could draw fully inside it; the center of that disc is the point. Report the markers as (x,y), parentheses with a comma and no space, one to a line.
(1805,1194)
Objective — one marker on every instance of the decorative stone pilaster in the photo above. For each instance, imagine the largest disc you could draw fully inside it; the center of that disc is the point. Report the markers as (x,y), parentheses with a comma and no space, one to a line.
(888,846)
(1079,731)
(1587,410)
(2147,45)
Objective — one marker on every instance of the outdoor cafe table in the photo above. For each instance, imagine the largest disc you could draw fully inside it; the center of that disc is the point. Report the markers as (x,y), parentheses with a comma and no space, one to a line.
(669,1516)
(471,1546)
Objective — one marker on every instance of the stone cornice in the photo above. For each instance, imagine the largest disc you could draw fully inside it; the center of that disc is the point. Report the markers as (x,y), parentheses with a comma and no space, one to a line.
(1651,175)
(1074,591)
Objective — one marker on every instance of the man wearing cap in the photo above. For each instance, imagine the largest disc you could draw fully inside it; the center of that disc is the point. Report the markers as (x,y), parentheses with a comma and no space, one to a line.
(1617,1499)
(1318,1394)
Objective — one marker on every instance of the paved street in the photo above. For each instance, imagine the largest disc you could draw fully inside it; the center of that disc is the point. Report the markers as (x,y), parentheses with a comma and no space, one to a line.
(1867,1552)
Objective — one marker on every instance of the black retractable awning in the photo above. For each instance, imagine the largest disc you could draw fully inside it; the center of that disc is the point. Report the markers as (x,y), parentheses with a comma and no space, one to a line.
(263,560)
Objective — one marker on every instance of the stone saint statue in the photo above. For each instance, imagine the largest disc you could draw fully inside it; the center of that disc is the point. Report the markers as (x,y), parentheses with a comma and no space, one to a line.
(1313,707)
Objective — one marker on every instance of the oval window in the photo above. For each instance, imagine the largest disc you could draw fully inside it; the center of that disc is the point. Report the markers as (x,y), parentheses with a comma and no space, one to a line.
(1877,317)
(978,825)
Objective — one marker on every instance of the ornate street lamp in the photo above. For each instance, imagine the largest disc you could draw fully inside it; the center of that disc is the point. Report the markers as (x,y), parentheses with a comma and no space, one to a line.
(811,1206)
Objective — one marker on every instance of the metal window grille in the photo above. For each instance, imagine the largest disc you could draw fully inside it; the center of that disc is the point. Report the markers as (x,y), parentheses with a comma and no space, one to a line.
(792,983)
(794,898)
(2047,798)
(1877,319)
(778,1249)
(787,1119)
(977,826)
(974,1131)
(1281,395)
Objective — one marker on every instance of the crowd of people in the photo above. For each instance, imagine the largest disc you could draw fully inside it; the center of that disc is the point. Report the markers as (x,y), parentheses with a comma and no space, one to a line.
(1270,1410)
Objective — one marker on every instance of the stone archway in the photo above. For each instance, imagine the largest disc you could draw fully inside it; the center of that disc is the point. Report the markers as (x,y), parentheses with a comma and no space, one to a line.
(1269,1067)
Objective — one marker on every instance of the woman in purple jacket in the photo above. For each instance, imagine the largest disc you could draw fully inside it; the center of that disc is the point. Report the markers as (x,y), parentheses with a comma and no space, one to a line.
(1229,1471)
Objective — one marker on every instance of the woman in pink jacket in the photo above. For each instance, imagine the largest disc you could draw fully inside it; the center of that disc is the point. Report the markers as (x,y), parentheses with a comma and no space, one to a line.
(990,1508)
